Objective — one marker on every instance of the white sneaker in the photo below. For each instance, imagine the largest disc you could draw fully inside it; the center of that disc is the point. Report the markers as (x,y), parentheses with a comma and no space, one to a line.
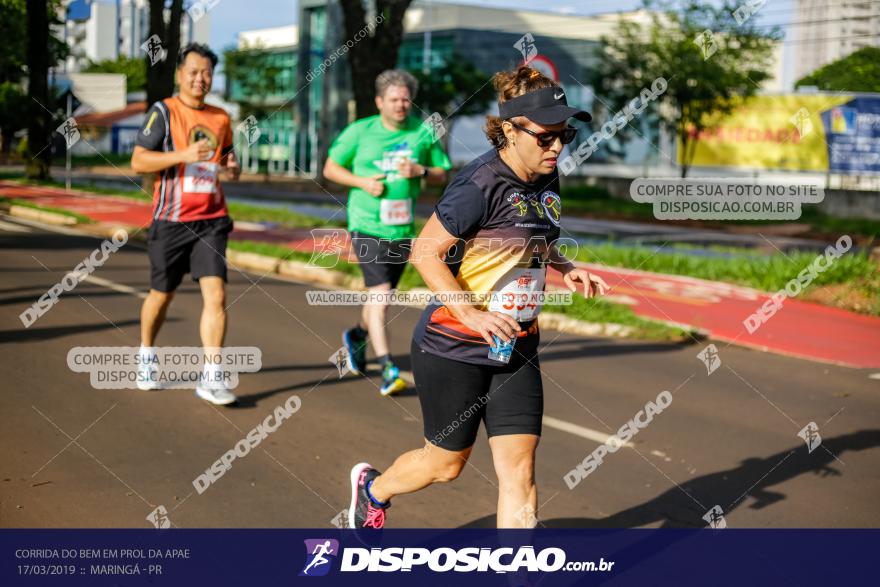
(216,393)
(147,376)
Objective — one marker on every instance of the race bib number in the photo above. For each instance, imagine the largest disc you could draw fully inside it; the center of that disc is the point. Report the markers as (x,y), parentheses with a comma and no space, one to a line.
(200,178)
(519,294)
(394,212)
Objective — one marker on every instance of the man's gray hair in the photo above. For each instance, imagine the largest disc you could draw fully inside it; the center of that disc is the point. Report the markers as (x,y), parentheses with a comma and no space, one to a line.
(396,77)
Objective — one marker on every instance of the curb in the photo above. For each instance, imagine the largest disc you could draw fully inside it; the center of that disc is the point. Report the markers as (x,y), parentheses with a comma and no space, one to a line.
(44,216)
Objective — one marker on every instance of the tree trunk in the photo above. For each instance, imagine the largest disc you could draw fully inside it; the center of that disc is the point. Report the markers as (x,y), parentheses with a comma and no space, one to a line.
(374,53)
(5,145)
(160,76)
(40,118)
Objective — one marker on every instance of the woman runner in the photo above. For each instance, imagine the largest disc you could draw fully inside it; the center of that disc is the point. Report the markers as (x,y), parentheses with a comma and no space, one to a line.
(492,234)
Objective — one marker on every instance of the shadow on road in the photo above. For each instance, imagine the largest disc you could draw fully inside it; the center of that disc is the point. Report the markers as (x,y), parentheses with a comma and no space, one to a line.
(50,332)
(30,299)
(578,349)
(253,399)
(678,508)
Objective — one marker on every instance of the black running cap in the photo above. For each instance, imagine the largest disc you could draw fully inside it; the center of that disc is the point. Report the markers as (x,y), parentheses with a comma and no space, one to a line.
(545,106)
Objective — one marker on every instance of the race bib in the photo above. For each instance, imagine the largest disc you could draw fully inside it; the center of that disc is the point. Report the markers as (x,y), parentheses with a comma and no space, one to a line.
(394,212)
(200,178)
(519,294)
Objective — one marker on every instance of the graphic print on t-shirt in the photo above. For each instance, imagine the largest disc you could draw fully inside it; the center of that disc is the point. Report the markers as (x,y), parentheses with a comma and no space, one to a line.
(391,160)
(506,229)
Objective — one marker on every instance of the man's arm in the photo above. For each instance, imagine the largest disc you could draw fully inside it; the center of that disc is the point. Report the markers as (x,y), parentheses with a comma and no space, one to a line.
(144,160)
(339,174)
(409,169)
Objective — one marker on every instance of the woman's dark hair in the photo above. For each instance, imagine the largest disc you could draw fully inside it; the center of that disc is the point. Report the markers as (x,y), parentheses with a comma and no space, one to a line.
(198,49)
(509,85)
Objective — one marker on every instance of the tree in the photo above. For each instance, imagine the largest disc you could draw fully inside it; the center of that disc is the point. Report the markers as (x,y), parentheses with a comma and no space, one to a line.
(374,52)
(252,81)
(15,110)
(249,71)
(160,75)
(13,31)
(135,71)
(709,61)
(857,72)
(13,114)
(457,88)
(40,119)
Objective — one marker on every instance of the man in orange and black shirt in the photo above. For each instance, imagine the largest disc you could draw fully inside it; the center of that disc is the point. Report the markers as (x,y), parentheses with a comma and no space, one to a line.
(188,144)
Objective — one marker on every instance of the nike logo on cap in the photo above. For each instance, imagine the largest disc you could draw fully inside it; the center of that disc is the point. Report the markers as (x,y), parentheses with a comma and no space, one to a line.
(559,95)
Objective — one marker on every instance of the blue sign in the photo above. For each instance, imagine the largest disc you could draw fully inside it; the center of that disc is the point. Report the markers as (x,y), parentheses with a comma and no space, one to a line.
(852,131)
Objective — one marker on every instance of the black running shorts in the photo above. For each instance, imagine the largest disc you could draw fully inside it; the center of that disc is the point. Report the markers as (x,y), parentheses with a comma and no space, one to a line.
(178,248)
(456,396)
(381,260)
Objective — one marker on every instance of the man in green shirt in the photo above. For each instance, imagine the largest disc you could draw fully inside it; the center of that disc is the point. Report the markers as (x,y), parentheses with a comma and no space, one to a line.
(383,159)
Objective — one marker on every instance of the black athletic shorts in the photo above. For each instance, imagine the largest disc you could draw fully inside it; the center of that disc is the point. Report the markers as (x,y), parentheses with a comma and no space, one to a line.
(456,396)
(381,260)
(178,248)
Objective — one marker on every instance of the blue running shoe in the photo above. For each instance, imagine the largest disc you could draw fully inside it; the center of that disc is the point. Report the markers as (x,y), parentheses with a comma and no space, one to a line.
(391,381)
(356,346)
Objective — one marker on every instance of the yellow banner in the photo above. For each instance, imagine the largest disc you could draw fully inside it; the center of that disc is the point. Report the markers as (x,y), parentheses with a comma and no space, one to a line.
(769,132)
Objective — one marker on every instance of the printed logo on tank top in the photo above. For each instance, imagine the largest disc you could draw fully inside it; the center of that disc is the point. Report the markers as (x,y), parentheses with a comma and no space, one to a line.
(200,132)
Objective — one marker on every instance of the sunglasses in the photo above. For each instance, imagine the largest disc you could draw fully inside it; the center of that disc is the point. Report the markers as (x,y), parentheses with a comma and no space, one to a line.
(545,139)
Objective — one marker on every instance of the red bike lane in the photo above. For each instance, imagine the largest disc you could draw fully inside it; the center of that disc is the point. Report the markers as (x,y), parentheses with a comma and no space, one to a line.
(799,329)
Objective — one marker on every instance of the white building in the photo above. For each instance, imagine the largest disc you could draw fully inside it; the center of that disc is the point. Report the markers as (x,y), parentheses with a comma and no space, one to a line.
(828,30)
(273,37)
(110,29)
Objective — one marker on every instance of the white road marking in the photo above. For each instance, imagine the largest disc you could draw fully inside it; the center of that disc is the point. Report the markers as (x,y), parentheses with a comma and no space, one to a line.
(116,286)
(874,376)
(581,431)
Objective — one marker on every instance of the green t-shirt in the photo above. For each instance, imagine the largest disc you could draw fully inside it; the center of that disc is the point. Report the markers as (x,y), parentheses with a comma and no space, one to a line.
(367,148)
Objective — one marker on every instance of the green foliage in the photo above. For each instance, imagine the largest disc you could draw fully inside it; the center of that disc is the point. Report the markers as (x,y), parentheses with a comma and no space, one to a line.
(857,72)
(135,70)
(254,76)
(700,90)
(13,109)
(13,31)
(456,89)
(764,272)
(289,218)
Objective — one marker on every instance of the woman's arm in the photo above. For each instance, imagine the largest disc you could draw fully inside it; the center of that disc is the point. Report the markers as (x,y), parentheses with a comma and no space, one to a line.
(427,255)
(593,284)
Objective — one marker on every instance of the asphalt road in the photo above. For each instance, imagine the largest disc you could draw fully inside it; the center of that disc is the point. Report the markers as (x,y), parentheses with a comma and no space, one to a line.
(74,456)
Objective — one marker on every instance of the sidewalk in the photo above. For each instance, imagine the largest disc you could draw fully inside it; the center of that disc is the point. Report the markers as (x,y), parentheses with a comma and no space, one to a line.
(799,329)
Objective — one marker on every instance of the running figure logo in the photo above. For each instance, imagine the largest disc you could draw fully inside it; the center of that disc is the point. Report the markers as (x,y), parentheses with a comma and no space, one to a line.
(328,245)
(710,358)
(715,518)
(810,435)
(526,46)
(154,50)
(69,131)
(319,553)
